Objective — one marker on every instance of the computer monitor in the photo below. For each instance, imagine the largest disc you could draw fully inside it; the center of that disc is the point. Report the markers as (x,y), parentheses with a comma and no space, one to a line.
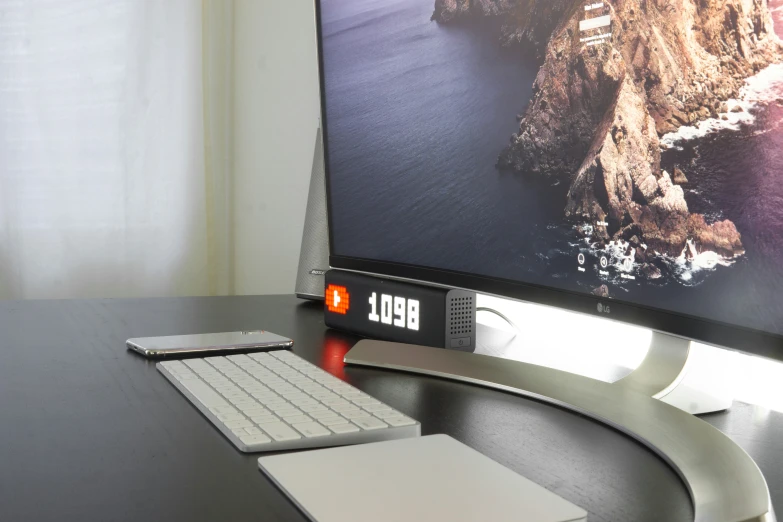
(620,159)
(617,158)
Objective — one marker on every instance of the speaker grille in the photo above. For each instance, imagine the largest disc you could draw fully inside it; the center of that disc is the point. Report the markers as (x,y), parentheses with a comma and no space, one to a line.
(461,315)
(314,254)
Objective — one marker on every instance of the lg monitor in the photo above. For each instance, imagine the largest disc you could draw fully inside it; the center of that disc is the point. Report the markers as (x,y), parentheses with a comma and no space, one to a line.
(620,159)
(616,158)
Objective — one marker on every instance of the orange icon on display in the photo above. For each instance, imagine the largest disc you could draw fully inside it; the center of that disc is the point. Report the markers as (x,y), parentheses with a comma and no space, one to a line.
(338,299)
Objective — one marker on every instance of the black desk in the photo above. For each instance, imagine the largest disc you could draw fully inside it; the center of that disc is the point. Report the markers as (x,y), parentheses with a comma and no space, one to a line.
(90,431)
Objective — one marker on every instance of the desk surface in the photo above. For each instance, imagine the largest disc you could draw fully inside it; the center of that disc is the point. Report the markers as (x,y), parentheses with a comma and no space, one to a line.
(90,431)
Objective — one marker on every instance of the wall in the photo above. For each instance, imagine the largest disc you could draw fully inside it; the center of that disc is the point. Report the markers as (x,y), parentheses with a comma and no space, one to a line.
(276,111)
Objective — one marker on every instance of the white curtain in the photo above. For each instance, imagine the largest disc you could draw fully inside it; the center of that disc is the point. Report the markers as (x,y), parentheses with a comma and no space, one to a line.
(115,143)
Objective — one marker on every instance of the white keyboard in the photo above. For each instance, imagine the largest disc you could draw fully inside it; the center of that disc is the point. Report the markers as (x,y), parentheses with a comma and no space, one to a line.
(274,401)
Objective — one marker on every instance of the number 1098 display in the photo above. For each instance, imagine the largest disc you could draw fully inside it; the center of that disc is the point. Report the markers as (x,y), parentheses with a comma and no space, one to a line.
(395,310)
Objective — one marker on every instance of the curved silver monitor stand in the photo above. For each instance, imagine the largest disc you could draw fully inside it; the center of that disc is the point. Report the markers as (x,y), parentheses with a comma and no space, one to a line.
(724,483)
(663,375)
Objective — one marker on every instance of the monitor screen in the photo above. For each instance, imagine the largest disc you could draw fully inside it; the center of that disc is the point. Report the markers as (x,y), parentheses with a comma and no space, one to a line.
(626,149)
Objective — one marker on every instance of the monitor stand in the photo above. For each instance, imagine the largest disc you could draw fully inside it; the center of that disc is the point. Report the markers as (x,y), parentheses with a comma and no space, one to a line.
(724,482)
(664,375)
(693,377)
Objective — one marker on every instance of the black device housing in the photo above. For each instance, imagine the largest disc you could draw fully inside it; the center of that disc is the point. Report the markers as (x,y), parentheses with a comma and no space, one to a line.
(446,317)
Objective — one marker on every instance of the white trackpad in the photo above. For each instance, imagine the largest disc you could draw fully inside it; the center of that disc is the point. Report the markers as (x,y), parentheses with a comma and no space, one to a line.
(423,478)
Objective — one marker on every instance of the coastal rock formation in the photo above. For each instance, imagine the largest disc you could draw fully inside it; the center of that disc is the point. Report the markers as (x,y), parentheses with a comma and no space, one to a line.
(451,10)
(679,177)
(621,190)
(598,112)
(530,21)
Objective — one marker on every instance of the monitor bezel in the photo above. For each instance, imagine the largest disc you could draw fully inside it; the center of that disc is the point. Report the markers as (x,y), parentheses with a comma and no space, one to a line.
(736,337)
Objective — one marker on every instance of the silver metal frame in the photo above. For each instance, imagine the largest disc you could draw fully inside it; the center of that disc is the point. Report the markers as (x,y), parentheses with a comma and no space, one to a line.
(724,483)
(661,369)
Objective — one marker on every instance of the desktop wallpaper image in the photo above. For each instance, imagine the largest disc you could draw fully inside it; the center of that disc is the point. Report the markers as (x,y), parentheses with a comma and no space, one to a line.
(630,149)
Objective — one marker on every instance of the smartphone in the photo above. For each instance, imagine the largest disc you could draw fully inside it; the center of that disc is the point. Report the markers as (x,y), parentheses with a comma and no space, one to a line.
(208,344)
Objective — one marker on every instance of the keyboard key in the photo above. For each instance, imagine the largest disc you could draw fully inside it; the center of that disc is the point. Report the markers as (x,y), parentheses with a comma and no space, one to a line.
(277,400)
(306,401)
(264,396)
(329,421)
(322,414)
(370,423)
(351,395)
(336,401)
(172,365)
(372,408)
(311,429)
(223,409)
(227,417)
(243,423)
(251,440)
(287,412)
(205,394)
(291,396)
(345,408)
(239,432)
(365,401)
(297,419)
(279,431)
(384,414)
(355,414)
(263,418)
(252,409)
(311,408)
(248,402)
(400,420)
(343,428)
(253,430)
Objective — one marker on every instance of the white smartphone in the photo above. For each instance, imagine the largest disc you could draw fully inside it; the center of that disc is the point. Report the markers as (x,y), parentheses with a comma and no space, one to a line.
(208,344)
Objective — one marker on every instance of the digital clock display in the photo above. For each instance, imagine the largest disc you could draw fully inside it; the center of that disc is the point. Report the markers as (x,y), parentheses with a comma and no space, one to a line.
(385,309)
(396,310)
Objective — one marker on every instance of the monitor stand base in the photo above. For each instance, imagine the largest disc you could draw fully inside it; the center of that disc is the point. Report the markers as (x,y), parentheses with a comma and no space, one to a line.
(724,483)
(671,373)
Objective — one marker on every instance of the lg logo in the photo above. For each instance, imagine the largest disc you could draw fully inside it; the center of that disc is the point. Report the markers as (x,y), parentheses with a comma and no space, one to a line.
(603,309)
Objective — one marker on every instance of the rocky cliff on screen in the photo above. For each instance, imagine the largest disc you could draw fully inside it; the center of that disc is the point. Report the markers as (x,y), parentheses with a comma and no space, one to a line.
(598,112)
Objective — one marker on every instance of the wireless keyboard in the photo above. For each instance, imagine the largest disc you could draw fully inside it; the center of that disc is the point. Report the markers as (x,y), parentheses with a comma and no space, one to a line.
(276,401)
